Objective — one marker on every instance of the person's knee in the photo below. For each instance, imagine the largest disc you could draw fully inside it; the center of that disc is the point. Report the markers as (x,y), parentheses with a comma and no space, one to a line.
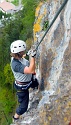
(23,110)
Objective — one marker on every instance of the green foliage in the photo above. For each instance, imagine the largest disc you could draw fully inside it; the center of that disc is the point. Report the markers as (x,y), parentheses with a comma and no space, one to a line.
(8,100)
(9,78)
(28,20)
(13,29)
(4,49)
(7,104)
(4,14)
(0,14)
(46,24)
(15,2)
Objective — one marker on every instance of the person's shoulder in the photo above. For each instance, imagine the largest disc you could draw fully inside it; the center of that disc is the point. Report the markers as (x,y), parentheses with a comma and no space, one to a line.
(15,62)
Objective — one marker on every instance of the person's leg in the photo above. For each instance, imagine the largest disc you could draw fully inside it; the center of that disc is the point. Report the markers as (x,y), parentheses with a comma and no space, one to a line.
(23,99)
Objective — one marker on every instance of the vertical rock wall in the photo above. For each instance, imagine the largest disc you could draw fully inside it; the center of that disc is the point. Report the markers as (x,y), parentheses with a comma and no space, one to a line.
(55,64)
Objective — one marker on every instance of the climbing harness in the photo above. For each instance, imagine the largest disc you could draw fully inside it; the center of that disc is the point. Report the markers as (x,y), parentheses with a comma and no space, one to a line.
(60,9)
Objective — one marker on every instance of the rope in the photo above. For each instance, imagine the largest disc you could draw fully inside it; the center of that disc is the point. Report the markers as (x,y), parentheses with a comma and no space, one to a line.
(60,9)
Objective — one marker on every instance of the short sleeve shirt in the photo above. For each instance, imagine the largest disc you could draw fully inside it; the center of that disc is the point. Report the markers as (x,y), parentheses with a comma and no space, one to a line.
(18,66)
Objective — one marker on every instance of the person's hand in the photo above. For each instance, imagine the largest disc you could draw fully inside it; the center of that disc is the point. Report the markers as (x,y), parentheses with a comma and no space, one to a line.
(24,56)
(28,53)
(33,52)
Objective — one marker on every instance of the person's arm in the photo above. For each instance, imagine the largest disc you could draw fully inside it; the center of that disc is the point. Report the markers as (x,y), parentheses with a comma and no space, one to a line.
(31,68)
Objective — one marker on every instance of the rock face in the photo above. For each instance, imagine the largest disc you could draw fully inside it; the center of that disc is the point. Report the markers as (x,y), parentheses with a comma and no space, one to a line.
(55,69)
(53,101)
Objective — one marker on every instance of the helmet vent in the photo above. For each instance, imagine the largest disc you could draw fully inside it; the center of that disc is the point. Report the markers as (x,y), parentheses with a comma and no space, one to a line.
(19,46)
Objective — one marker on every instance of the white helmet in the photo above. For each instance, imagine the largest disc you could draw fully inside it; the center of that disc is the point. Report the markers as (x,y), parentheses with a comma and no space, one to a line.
(18,46)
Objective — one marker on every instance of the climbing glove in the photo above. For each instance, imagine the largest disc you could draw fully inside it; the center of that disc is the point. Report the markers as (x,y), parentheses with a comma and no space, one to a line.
(33,52)
(28,53)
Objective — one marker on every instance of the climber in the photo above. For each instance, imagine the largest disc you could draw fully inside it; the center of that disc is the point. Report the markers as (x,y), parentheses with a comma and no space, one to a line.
(22,70)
